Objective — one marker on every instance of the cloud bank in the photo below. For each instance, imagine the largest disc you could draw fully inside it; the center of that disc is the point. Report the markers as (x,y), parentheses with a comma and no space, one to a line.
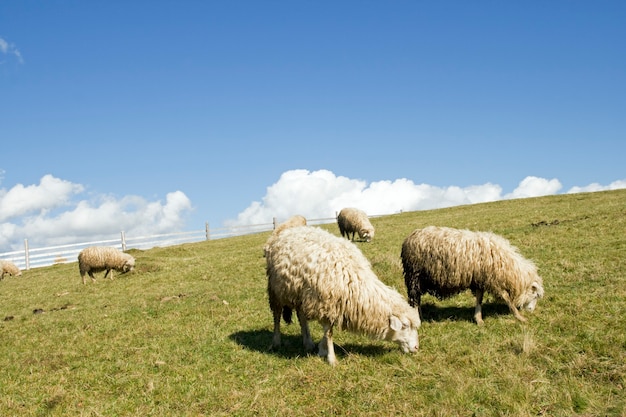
(56,212)
(321,194)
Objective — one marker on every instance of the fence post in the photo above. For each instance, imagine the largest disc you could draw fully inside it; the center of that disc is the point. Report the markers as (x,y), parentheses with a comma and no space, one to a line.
(26,256)
(123,241)
(206,230)
(274,222)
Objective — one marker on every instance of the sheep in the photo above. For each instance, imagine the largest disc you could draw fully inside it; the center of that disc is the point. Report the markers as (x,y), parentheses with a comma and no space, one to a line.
(352,220)
(443,262)
(8,267)
(326,278)
(293,221)
(102,258)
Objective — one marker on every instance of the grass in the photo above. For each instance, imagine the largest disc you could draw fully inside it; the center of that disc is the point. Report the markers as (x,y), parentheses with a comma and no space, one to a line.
(188,332)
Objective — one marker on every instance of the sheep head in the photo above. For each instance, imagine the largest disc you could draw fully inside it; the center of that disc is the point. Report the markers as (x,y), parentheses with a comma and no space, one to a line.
(129,264)
(403,332)
(528,300)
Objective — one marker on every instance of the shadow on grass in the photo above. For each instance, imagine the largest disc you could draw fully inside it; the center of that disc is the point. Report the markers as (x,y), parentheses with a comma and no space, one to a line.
(432,312)
(292,347)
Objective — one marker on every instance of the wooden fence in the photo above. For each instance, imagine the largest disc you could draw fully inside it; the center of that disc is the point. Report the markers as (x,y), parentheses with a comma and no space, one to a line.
(39,257)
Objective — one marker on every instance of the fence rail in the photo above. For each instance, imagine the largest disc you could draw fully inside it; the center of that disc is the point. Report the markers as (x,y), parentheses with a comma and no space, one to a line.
(61,254)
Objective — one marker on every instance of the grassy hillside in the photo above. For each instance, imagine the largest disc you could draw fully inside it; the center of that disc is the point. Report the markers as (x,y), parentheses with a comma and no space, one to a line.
(188,333)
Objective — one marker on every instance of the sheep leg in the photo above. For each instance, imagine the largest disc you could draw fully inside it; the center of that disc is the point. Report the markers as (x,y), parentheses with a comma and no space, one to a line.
(107,273)
(326,347)
(514,310)
(306,333)
(276,339)
(478,311)
(93,279)
(417,301)
(419,307)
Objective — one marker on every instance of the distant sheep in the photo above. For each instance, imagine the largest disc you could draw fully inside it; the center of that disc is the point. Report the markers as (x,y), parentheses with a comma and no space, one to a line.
(293,221)
(443,262)
(101,258)
(352,220)
(326,278)
(8,267)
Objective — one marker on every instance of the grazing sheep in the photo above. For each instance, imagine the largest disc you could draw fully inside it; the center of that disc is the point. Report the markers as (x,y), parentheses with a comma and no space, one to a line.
(101,258)
(293,221)
(8,267)
(442,261)
(352,220)
(326,278)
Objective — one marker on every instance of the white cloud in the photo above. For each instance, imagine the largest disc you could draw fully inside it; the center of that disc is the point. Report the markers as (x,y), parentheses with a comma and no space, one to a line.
(615,185)
(50,193)
(53,212)
(7,48)
(321,194)
(535,187)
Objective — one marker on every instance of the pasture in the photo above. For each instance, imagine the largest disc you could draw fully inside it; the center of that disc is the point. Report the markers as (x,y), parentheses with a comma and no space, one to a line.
(188,333)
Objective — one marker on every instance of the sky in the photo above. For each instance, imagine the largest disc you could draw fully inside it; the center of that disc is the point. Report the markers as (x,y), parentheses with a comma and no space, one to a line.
(158,116)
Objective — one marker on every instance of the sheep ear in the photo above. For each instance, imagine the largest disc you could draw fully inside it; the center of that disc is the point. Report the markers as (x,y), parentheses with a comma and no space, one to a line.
(395,323)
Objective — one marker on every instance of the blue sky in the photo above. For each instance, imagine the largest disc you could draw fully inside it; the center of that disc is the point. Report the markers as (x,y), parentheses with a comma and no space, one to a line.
(160,115)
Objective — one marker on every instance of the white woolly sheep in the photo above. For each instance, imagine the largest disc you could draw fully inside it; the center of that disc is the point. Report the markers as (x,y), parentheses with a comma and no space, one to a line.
(352,220)
(443,262)
(293,221)
(326,278)
(8,267)
(102,258)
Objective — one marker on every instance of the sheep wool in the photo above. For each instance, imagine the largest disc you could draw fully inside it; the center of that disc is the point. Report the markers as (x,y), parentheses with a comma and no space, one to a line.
(293,221)
(443,262)
(352,220)
(327,278)
(8,267)
(102,258)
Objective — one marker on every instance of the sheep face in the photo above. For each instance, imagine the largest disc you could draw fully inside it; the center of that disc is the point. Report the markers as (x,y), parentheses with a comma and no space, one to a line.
(366,234)
(403,333)
(528,300)
(129,265)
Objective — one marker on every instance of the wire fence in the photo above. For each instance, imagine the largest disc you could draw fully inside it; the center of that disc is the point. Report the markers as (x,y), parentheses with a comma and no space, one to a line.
(39,257)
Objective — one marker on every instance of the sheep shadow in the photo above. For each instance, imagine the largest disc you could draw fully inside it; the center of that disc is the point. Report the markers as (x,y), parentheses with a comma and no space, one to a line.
(434,313)
(291,347)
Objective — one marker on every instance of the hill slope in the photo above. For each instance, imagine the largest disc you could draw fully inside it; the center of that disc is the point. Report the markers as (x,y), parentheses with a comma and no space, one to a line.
(188,333)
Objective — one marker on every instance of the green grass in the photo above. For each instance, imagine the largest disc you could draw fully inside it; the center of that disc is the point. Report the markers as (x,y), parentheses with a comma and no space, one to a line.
(188,333)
